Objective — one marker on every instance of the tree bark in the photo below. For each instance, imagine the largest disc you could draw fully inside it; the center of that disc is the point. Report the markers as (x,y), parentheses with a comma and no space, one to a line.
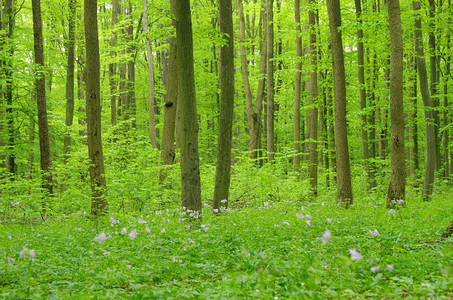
(190,170)
(270,143)
(93,111)
(413,127)
(171,101)
(224,141)
(344,186)
(69,79)
(397,185)
(113,66)
(312,126)
(43,127)
(430,164)
(297,87)
(149,51)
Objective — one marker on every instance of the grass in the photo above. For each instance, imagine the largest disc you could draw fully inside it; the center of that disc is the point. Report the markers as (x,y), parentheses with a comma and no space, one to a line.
(262,250)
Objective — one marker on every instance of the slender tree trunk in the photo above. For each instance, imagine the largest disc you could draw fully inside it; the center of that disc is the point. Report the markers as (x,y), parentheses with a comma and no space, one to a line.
(93,110)
(70,79)
(149,51)
(190,170)
(171,101)
(434,80)
(270,81)
(44,144)
(113,66)
(224,141)
(312,126)
(447,112)
(344,186)
(131,106)
(430,168)
(397,186)
(413,127)
(362,89)
(297,87)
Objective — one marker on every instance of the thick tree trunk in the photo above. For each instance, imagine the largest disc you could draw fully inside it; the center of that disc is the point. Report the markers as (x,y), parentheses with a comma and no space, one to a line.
(397,186)
(44,144)
(344,186)
(93,111)
(190,170)
(297,87)
(224,141)
(149,51)
(312,126)
(70,79)
(430,168)
(270,139)
(171,101)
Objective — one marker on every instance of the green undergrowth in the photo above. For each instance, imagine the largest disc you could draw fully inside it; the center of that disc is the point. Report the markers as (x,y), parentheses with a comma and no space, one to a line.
(266,250)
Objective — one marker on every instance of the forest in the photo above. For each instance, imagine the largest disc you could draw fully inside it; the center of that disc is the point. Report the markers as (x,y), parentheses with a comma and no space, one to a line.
(227,149)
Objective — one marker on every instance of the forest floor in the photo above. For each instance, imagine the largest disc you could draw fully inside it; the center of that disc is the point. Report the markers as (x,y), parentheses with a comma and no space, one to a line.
(272,250)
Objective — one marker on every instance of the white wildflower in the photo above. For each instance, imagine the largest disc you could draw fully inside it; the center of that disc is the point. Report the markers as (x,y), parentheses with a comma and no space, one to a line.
(326,237)
(355,255)
(100,238)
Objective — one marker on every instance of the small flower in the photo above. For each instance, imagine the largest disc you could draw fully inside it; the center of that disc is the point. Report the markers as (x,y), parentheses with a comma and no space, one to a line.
(100,238)
(286,223)
(23,253)
(141,221)
(308,217)
(78,229)
(390,267)
(106,253)
(113,221)
(147,229)
(128,266)
(326,237)
(266,204)
(32,254)
(133,234)
(329,220)
(375,269)
(124,231)
(224,201)
(11,260)
(38,235)
(308,223)
(206,205)
(216,210)
(302,208)
(10,237)
(355,255)
(322,204)
(392,211)
(373,233)
(300,216)
(163,230)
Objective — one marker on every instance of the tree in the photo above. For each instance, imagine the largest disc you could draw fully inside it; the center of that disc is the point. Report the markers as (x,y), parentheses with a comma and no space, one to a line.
(312,125)
(362,89)
(149,51)
(344,186)
(93,110)
(297,87)
(40,82)
(430,162)
(225,138)
(113,65)
(70,77)
(171,99)
(397,185)
(190,170)
(270,80)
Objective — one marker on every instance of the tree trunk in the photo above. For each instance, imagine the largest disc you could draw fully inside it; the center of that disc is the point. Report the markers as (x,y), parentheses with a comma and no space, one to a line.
(113,66)
(297,87)
(362,90)
(270,80)
(430,168)
(149,51)
(344,186)
(224,141)
(312,126)
(413,127)
(171,101)
(397,185)
(190,170)
(131,106)
(70,79)
(44,144)
(93,111)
